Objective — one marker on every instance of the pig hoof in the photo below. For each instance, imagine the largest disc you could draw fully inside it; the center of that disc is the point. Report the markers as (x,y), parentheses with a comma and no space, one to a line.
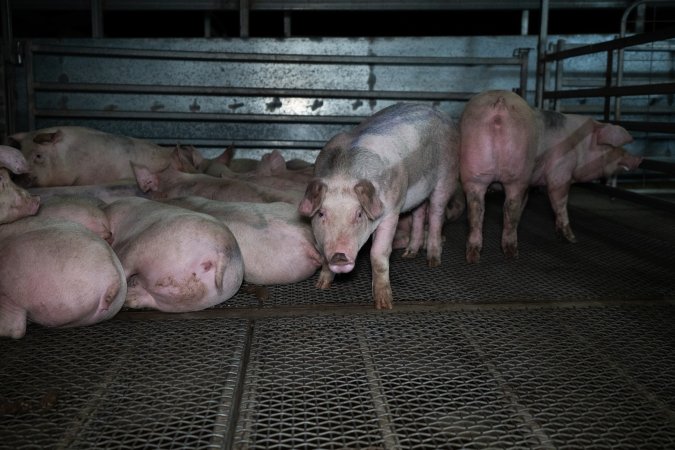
(510,252)
(433,262)
(383,304)
(409,254)
(472,255)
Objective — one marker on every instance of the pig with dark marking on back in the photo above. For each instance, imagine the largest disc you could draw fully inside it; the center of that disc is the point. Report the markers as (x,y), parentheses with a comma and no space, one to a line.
(364,178)
(505,140)
(75,156)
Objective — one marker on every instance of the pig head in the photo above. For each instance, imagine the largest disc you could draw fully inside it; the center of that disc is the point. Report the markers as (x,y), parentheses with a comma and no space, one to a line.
(343,220)
(15,202)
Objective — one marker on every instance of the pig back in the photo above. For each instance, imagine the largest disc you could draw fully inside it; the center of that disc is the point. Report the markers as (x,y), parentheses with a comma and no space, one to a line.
(405,148)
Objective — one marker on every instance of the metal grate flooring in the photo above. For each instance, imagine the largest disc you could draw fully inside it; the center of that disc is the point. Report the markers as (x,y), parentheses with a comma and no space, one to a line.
(570,346)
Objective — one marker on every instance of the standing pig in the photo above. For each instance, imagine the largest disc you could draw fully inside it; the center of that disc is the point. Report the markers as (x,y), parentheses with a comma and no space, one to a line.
(276,243)
(56,273)
(505,140)
(69,155)
(15,202)
(175,260)
(364,178)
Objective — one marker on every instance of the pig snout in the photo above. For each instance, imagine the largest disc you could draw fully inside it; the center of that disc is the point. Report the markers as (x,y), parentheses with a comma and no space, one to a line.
(630,162)
(340,263)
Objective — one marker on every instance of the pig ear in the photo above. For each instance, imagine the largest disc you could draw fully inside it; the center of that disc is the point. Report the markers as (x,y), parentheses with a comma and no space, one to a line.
(48,138)
(181,159)
(613,135)
(274,162)
(18,137)
(13,159)
(146,180)
(370,202)
(227,156)
(314,194)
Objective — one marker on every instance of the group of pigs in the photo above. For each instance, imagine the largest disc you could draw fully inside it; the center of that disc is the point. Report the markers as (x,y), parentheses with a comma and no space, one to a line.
(125,222)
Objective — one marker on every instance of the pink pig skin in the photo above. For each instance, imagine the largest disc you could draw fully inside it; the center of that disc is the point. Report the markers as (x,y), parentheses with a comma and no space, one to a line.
(170,182)
(503,139)
(15,202)
(87,211)
(58,274)
(69,156)
(276,243)
(175,260)
(364,178)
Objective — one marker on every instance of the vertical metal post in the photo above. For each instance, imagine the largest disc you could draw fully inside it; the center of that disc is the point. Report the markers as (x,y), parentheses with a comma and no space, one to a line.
(97,18)
(608,82)
(287,24)
(244,13)
(525,22)
(7,112)
(558,74)
(541,52)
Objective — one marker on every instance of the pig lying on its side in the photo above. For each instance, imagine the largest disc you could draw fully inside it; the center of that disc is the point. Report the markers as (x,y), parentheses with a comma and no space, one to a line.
(505,140)
(56,273)
(69,155)
(169,182)
(175,260)
(276,243)
(364,178)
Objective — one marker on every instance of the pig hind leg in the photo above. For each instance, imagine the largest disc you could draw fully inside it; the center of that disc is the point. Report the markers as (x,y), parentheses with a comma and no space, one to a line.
(13,320)
(514,203)
(475,204)
(416,239)
(558,196)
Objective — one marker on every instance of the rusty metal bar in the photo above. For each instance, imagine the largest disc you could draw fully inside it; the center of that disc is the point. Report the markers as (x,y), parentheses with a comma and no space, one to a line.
(643,89)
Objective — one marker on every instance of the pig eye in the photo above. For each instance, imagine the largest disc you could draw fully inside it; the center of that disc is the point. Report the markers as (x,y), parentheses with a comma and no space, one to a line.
(320,213)
(38,158)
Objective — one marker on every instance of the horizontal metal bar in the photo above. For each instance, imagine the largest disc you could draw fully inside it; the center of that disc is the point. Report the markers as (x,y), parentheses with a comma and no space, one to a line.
(631,196)
(614,91)
(269,57)
(244,91)
(657,127)
(206,117)
(658,166)
(241,143)
(614,44)
(313,5)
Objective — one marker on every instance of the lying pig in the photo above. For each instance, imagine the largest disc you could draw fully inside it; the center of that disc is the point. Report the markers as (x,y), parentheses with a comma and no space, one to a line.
(505,140)
(15,202)
(276,243)
(364,178)
(170,183)
(69,155)
(56,273)
(175,260)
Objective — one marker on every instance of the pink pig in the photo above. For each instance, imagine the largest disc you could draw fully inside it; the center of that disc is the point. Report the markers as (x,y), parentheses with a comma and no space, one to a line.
(503,139)
(392,162)
(175,260)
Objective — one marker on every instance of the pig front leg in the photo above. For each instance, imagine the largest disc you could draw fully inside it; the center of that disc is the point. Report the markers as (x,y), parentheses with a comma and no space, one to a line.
(380,251)
(325,276)
(514,203)
(558,196)
(13,321)
(475,203)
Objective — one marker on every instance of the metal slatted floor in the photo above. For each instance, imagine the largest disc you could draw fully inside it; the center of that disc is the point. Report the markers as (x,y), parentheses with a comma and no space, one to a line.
(570,346)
